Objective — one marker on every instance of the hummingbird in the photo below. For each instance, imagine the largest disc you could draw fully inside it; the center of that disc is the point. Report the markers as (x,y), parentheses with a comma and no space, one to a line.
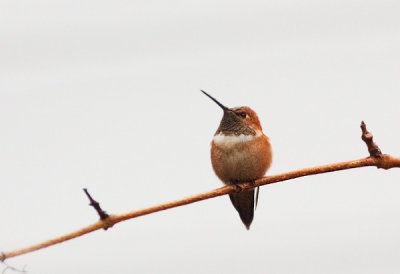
(240,152)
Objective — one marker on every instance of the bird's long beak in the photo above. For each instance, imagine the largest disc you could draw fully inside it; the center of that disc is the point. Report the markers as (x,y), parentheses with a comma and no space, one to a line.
(215,100)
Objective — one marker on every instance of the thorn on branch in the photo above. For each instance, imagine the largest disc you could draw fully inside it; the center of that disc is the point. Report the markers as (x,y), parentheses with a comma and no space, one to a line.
(103,215)
(367,137)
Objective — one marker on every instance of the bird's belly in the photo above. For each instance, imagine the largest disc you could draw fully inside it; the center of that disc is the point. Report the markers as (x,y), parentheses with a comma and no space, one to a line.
(243,160)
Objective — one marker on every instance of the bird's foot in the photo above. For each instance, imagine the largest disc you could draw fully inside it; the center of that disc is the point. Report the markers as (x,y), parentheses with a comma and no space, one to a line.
(237,188)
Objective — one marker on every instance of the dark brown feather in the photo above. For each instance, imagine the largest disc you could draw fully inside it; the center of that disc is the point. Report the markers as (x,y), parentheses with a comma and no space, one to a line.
(231,124)
(244,204)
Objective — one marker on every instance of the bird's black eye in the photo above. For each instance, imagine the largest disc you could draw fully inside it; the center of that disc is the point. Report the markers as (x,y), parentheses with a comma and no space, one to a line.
(243,114)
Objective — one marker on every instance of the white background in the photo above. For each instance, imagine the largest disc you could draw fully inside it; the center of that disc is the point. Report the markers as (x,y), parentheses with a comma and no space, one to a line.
(105,95)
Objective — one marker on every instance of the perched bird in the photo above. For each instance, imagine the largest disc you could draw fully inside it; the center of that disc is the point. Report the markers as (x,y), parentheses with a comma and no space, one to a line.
(240,152)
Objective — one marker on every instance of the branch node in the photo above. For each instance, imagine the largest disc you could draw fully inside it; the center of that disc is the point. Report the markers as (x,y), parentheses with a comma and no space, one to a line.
(108,222)
(102,214)
(2,257)
(367,137)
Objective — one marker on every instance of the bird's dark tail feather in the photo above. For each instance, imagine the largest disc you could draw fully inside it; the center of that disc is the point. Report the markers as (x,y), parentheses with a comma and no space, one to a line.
(245,205)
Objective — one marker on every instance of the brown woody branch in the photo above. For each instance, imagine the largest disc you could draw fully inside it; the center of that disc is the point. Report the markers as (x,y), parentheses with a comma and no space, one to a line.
(376,159)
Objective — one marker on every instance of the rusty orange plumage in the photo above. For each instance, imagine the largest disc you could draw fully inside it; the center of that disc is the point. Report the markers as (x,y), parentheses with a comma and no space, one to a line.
(240,152)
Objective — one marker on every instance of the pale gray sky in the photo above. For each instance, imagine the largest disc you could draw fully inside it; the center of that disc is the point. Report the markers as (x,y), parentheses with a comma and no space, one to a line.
(105,95)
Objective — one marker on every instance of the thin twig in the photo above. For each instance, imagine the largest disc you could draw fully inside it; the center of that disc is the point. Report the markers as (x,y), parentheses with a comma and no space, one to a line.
(382,161)
(9,267)
(102,214)
(386,161)
(373,149)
